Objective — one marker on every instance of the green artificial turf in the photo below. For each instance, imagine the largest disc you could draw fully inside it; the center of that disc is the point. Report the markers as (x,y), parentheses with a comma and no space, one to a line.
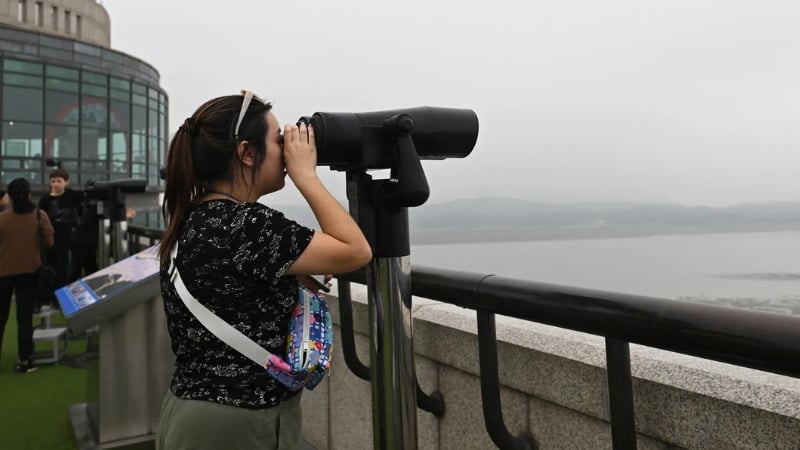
(34,407)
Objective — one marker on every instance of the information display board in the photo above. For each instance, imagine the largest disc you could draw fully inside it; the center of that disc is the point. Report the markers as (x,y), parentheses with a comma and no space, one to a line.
(110,291)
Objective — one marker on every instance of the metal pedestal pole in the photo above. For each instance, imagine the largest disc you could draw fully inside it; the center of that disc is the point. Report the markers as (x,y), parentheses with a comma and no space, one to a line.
(392,354)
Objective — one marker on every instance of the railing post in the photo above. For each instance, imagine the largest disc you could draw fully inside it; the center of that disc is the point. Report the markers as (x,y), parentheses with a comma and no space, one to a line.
(433,403)
(490,388)
(348,333)
(620,394)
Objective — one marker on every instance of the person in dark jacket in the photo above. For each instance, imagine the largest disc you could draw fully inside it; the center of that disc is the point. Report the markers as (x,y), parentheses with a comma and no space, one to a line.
(61,206)
(19,263)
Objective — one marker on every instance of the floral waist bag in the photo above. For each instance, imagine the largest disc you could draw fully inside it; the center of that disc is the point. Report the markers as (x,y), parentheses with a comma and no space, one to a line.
(309,343)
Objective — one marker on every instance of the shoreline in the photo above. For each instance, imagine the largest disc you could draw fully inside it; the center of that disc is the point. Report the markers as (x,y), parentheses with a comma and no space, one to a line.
(500,235)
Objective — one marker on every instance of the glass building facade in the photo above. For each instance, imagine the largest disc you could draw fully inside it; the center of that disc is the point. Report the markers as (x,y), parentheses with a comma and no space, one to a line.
(98,113)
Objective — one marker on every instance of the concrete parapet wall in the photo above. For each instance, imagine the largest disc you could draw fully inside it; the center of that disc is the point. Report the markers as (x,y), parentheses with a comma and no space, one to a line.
(554,387)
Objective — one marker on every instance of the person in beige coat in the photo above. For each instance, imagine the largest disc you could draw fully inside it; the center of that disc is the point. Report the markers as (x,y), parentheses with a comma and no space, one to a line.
(19,263)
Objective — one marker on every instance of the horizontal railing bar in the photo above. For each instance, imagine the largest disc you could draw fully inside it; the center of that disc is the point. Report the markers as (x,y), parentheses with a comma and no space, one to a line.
(754,339)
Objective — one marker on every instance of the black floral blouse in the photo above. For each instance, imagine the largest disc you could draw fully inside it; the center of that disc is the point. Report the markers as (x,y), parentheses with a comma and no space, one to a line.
(232,258)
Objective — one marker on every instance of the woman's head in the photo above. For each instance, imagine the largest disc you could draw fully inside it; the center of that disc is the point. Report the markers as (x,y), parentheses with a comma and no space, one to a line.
(19,193)
(230,141)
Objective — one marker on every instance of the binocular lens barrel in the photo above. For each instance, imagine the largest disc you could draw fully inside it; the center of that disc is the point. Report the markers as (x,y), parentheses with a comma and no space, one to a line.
(357,140)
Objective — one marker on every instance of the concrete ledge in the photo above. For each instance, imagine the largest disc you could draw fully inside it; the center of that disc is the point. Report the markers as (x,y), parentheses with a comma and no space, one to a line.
(554,387)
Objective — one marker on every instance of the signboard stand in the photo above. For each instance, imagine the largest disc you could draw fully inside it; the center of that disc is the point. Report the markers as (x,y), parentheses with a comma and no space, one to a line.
(120,309)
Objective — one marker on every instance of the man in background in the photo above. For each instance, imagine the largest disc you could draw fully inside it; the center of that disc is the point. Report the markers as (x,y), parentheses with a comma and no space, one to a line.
(61,206)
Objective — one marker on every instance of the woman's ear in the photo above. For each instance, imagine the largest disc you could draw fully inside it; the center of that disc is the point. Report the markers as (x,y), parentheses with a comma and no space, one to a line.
(245,154)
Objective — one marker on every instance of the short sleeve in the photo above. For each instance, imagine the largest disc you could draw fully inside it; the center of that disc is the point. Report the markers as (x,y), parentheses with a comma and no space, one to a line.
(266,243)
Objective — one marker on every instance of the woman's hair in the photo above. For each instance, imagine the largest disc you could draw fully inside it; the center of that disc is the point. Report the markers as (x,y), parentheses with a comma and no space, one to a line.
(19,191)
(204,151)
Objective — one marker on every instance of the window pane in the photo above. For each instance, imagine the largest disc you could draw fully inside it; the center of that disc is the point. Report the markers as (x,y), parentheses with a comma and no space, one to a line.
(61,72)
(22,140)
(93,171)
(138,148)
(61,108)
(138,171)
(152,123)
(120,115)
(71,166)
(120,95)
(95,78)
(62,85)
(14,65)
(139,99)
(22,80)
(96,91)
(139,123)
(139,89)
(119,153)
(119,83)
(152,175)
(62,141)
(94,112)
(152,93)
(33,175)
(153,150)
(94,144)
(22,103)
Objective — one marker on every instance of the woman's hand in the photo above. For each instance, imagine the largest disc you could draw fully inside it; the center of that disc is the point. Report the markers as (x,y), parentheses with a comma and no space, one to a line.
(299,151)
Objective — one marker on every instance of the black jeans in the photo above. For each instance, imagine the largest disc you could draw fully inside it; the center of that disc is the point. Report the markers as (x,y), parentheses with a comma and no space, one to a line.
(58,256)
(25,287)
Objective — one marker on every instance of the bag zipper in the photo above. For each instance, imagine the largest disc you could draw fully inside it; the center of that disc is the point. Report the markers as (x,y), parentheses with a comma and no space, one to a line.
(306,327)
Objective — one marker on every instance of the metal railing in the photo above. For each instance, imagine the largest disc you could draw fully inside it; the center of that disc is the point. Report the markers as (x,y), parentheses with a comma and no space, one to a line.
(753,339)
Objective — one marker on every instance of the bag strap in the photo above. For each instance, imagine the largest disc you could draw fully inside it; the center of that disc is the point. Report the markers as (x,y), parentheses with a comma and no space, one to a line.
(224,331)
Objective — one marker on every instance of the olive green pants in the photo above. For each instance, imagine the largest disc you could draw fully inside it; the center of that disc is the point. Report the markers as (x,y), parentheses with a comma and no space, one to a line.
(201,425)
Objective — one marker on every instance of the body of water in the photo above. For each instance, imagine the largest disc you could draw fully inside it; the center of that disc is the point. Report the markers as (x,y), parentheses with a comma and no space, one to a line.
(746,269)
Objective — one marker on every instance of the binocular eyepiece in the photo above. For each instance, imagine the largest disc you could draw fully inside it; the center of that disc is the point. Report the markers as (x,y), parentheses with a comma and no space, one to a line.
(355,141)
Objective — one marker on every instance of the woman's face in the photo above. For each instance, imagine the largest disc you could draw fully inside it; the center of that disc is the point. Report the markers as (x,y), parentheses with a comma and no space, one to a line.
(272,173)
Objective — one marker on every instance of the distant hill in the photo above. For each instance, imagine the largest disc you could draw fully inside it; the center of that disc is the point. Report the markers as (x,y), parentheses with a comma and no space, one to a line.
(509,219)
(494,219)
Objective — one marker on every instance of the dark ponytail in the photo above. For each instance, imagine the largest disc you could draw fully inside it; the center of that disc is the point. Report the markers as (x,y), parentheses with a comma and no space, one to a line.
(19,191)
(204,150)
(180,190)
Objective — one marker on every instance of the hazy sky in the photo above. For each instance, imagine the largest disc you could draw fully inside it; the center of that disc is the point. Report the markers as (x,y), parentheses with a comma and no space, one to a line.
(688,101)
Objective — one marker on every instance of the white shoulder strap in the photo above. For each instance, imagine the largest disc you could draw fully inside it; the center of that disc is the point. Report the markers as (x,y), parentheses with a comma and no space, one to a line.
(221,329)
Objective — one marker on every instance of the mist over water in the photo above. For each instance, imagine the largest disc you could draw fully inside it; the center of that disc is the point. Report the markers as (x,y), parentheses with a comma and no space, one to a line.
(753,270)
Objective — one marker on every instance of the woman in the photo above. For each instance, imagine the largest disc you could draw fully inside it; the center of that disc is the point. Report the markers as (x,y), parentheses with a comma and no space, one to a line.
(242,260)
(19,261)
